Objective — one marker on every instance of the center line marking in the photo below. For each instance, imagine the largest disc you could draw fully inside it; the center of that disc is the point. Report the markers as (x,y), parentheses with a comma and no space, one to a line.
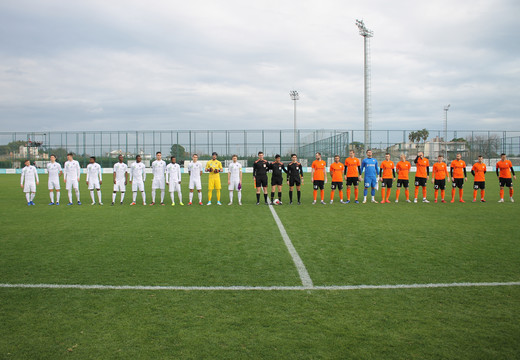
(300,266)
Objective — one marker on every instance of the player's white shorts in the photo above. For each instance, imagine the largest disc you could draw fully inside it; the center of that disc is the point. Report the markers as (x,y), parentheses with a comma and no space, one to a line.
(93,184)
(138,185)
(54,184)
(29,187)
(195,183)
(174,186)
(72,183)
(233,184)
(120,185)
(158,184)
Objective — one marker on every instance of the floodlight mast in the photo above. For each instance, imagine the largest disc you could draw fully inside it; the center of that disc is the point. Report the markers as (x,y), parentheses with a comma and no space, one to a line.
(294,97)
(446,108)
(363,31)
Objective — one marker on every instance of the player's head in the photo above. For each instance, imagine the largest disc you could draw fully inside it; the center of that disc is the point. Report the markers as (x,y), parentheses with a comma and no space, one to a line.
(294,157)
(173,159)
(369,153)
(402,157)
(503,156)
(260,155)
(458,156)
(138,158)
(195,157)
(214,155)
(480,159)
(318,156)
(420,154)
(352,153)
(336,158)
(158,155)
(92,159)
(277,157)
(53,158)
(387,157)
(234,158)
(70,156)
(27,162)
(121,158)
(440,158)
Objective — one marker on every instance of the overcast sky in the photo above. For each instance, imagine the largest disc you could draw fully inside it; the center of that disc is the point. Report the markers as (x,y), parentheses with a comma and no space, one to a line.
(201,64)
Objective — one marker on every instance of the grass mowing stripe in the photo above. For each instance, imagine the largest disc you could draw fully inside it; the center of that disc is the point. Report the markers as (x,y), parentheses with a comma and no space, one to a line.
(302,271)
(257,288)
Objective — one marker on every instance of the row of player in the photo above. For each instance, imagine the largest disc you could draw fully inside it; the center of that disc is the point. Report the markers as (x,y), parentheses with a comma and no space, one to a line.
(350,171)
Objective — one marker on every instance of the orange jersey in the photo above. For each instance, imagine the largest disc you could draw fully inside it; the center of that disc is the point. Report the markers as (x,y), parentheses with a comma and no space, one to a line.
(352,165)
(319,167)
(403,168)
(421,165)
(387,167)
(480,171)
(336,170)
(505,168)
(440,171)
(458,167)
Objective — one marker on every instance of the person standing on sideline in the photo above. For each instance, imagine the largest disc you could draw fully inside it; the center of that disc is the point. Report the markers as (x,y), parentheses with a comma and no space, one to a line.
(235,179)
(28,182)
(71,175)
(479,173)
(55,171)
(369,166)
(504,171)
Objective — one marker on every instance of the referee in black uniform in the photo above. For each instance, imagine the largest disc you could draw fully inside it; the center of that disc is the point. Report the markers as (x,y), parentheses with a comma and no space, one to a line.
(260,169)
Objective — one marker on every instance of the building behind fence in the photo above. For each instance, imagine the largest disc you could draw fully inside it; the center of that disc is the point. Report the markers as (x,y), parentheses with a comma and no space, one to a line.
(108,145)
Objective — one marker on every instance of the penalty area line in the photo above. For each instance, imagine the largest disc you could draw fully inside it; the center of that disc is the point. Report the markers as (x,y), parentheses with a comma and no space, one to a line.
(258,288)
(300,266)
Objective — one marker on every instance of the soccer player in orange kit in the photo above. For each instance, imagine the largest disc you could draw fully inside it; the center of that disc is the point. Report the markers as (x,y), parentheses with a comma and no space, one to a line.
(336,171)
(318,177)
(387,176)
(440,171)
(403,168)
(352,171)
(458,177)
(479,172)
(421,175)
(504,171)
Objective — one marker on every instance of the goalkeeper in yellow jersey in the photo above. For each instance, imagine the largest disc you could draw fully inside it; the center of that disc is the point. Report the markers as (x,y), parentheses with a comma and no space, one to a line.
(214,167)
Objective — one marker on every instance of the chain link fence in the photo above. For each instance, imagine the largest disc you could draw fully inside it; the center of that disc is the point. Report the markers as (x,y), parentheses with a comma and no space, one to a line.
(106,146)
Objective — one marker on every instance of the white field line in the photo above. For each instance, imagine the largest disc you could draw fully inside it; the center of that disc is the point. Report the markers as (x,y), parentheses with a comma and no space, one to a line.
(258,288)
(300,266)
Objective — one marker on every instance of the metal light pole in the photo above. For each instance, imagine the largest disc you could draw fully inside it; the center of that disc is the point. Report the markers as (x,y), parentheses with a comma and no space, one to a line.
(363,31)
(295,96)
(446,108)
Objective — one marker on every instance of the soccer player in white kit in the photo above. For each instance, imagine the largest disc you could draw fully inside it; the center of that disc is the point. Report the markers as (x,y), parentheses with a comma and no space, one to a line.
(158,171)
(173,180)
(54,170)
(94,179)
(235,180)
(71,174)
(137,179)
(195,171)
(120,179)
(28,182)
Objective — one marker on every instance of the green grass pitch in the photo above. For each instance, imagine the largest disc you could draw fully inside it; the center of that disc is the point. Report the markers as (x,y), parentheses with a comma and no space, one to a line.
(354,244)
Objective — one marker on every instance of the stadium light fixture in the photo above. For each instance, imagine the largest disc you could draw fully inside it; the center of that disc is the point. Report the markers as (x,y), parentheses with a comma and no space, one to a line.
(294,97)
(446,108)
(366,33)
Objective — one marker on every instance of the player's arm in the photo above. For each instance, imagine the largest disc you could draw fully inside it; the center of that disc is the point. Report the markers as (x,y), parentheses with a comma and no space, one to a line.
(393,172)
(144,173)
(380,173)
(167,177)
(416,159)
(312,174)
(427,171)
(434,171)
(22,178)
(126,176)
(37,178)
(60,172)
(254,170)
(497,171)
(512,171)
(131,174)
(451,171)
(100,175)
(240,175)
(114,175)
(78,171)
(88,174)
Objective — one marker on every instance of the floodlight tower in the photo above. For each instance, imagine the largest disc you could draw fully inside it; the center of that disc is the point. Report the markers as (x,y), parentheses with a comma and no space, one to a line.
(294,97)
(367,34)
(446,108)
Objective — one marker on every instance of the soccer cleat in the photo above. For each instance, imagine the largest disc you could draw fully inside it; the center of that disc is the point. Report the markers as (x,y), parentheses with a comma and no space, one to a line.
(121,203)
(79,202)
(162,204)
(462,201)
(181,204)
(290,202)
(209,203)
(189,203)
(435,201)
(93,203)
(501,200)
(474,200)
(201,203)
(512,200)
(314,202)
(101,203)
(443,201)
(144,204)
(425,200)
(219,203)
(323,202)
(151,204)
(133,203)
(409,201)
(374,201)
(299,203)
(112,204)
(280,203)
(415,201)
(397,201)
(231,203)
(69,204)
(365,201)
(57,204)
(257,203)
(356,202)
(332,202)
(267,203)
(482,200)
(452,201)
(342,202)
(383,201)
(173,204)
(29,203)
(347,202)
(239,203)
(51,203)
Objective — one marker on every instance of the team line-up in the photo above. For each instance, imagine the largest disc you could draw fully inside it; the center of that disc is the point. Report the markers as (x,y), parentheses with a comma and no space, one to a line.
(350,171)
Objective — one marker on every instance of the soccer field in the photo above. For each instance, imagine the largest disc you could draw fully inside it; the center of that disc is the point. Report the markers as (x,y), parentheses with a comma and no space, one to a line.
(386,281)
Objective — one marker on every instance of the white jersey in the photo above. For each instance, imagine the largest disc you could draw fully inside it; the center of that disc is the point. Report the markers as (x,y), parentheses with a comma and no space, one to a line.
(71,170)
(195,169)
(137,172)
(234,170)
(94,172)
(54,170)
(158,169)
(29,175)
(173,173)
(120,170)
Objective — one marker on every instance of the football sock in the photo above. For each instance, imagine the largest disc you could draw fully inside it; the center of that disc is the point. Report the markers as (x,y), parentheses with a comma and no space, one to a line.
(153,196)
(348,193)
(501,193)
(258,197)
(322,194)
(52,196)
(32,196)
(365,192)
(416,192)
(388,194)
(122,196)
(373,192)
(475,194)
(70,195)
(162,196)
(407,193)
(92,196)
(58,196)
(511,191)
(453,194)
(99,195)
(482,193)
(200,196)
(290,195)
(230,195)
(265,197)
(332,195)
(436,193)
(397,192)
(144,196)
(383,194)
(341,195)
(239,196)
(280,195)
(299,193)
(179,194)
(218,195)
(443,193)
(315,193)
(461,192)
(356,192)
(114,196)
(210,194)
(28,197)
(172,196)
(191,196)
(272,196)
(134,196)
(77,195)
(424,192)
